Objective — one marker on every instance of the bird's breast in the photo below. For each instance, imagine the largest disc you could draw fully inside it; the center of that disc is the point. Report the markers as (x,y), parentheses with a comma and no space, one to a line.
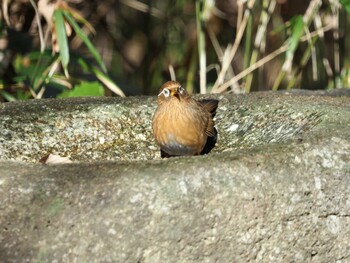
(179,132)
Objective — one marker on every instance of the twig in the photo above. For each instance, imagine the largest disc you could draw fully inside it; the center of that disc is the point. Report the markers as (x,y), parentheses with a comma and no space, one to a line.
(253,67)
(201,47)
(5,4)
(260,38)
(41,34)
(172,72)
(316,32)
(313,54)
(335,19)
(227,61)
(143,7)
(220,55)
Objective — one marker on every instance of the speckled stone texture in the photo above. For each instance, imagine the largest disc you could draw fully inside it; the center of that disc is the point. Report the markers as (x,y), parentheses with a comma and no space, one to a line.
(90,129)
(275,189)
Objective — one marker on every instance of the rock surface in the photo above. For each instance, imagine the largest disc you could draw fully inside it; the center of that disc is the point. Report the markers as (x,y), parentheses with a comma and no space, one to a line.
(90,129)
(274,189)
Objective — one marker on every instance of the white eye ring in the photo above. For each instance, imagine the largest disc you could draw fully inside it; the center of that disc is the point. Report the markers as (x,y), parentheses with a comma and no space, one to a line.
(181,90)
(166,93)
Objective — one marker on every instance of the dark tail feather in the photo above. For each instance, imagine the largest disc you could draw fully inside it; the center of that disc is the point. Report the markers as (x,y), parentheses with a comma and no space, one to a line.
(165,155)
(210,144)
(210,105)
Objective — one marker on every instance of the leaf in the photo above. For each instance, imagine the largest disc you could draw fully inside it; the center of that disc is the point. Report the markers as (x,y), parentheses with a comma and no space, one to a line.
(297,26)
(54,159)
(81,34)
(108,82)
(62,39)
(75,14)
(346,5)
(83,90)
(7,96)
(46,8)
(33,67)
(43,74)
(101,76)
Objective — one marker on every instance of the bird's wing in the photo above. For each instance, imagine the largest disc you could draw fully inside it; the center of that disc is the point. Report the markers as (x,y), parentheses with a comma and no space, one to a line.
(210,105)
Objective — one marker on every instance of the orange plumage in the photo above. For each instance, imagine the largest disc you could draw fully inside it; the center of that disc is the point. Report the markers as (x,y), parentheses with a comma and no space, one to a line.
(182,125)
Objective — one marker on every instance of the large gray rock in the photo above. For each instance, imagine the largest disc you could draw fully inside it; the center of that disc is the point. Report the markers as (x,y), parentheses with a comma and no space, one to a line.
(90,129)
(275,189)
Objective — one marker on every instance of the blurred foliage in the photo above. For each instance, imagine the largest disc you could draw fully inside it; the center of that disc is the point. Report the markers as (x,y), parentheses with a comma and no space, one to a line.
(31,73)
(84,89)
(79,48)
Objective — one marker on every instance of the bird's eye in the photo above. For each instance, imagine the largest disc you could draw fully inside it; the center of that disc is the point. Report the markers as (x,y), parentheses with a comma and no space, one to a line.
(181,90)
(166,92)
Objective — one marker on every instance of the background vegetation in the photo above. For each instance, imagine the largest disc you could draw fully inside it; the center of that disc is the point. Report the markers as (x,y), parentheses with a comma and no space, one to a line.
(96,48)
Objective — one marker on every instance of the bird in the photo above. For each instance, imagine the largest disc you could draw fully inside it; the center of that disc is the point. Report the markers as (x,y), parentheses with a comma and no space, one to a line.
(183,126)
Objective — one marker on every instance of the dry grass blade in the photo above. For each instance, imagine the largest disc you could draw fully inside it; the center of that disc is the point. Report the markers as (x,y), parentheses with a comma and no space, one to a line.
(5,4)
(110,84)
(41,35)
(335,21)
(172,72)
(260,38)
(200,6)
(227,60)
(312,9)
(253,67)
(318,32)
(143,7)
(220,54)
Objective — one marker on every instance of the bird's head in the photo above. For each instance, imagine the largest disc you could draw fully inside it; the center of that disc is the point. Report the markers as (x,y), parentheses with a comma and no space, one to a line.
(171,90)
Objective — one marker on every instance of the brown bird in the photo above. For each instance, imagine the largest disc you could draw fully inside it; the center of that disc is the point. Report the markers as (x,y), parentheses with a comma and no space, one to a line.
(182,125)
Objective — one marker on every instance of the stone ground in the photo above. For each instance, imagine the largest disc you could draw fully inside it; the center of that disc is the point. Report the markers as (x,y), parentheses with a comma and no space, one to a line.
(274,189)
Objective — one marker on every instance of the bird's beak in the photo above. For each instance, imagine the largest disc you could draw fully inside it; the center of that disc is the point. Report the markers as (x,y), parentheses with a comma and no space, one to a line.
(175,93)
